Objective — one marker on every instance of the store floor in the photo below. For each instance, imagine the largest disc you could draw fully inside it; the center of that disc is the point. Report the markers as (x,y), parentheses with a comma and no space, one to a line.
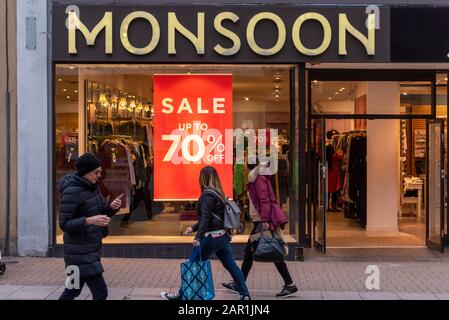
(342,232)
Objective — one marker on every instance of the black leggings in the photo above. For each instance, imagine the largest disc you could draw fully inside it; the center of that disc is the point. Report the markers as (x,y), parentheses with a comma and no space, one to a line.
(248,260)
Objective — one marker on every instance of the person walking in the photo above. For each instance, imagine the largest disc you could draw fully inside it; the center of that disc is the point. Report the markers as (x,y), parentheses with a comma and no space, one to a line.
(261,198)
(211,236)
(334,162)
(84,218)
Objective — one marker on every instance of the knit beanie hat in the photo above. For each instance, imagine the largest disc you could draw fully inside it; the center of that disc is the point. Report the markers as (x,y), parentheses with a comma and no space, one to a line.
(87,163)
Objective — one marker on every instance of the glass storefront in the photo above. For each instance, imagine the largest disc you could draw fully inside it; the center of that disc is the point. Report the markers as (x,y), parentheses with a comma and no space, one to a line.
(109,110)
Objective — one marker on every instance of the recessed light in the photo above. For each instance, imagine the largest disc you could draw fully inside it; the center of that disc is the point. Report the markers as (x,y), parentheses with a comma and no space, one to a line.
(329,98)
(76,91)
(445,79)
(72,67)
(315,81)
(246,99)
(60,80)
(404,93)
(68,97)
(277,96)
(342,89)
(65,90)
(277,78)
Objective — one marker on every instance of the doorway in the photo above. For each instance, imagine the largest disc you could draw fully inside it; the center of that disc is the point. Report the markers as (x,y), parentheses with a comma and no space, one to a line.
(376,151)
(370,199)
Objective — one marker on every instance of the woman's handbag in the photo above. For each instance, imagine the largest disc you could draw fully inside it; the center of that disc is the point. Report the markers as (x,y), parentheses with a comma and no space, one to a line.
(269,248)
(196,280)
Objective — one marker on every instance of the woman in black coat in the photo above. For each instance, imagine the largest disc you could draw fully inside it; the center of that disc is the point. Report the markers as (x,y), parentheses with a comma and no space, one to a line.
(84,218)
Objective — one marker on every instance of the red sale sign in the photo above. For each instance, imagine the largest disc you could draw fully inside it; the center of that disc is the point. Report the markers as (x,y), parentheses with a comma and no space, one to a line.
(192,129)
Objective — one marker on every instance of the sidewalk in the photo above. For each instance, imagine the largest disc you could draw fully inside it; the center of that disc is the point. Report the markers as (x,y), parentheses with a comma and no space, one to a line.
(340,274)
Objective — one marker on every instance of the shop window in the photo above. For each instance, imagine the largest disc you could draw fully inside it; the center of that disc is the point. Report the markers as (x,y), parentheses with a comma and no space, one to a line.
(108,110)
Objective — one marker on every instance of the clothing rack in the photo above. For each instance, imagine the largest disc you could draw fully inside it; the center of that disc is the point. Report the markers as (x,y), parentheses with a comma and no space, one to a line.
(354,172)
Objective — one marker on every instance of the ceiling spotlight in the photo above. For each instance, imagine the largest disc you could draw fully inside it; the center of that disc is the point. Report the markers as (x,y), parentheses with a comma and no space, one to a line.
(72,67)
(329,98)
(342,89)
(76,91)
(65,90)
(404,93)
(60,80)
(337,93)
(246,99)
(277,96)
(445,79)
(315,81)
(68,97)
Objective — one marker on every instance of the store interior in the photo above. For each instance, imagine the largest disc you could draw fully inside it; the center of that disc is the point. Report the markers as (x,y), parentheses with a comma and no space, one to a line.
(108,110)
(377,168)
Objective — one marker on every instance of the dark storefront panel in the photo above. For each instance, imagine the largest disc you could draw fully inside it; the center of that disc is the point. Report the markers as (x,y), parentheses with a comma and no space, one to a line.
(419,34)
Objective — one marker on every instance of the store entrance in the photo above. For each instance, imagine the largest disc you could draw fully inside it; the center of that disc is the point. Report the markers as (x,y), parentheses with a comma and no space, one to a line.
(368,193)
(376,180)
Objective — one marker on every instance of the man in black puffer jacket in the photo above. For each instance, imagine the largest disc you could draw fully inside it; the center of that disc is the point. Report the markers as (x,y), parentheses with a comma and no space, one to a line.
(84,218)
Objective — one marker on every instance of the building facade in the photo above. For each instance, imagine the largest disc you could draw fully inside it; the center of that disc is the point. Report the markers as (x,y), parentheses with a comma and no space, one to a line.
(114,79)
(8,127)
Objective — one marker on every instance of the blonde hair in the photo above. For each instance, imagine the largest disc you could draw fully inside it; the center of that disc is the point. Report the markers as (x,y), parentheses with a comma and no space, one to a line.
(209,179)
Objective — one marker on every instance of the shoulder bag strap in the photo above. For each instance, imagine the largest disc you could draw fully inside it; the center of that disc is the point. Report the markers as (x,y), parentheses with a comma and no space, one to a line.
(213,214)
(216,193)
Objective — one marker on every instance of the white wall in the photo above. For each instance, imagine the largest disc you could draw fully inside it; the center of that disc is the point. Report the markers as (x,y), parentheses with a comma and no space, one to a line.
(33,130)
(383,158)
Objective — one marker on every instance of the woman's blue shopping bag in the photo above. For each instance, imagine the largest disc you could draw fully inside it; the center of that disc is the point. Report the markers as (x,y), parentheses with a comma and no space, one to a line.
(196,281)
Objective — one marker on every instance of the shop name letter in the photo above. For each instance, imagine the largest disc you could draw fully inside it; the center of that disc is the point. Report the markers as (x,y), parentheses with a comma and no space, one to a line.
(76,24)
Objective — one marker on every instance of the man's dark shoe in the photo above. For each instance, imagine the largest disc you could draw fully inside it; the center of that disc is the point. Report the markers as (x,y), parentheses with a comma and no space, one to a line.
(287,291)
(231,286)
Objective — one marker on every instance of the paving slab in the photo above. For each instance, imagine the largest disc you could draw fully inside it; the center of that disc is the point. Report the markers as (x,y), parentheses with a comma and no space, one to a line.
(341,295)
(7,290)
(32,293)
(379,296)
(417,296)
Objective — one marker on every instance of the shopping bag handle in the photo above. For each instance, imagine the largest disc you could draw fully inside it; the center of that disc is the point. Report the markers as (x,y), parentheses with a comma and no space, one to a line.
(200,253)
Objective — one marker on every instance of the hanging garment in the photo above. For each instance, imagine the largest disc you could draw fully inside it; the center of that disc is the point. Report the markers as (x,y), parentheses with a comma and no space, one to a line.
(239,172)
(334,179)
(118,172)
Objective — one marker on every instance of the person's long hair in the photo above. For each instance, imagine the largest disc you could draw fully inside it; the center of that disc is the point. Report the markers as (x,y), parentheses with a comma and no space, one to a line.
(330,151)
(209,179)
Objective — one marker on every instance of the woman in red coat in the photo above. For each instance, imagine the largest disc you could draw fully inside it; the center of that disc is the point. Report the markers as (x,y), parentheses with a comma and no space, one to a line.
(334,162)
